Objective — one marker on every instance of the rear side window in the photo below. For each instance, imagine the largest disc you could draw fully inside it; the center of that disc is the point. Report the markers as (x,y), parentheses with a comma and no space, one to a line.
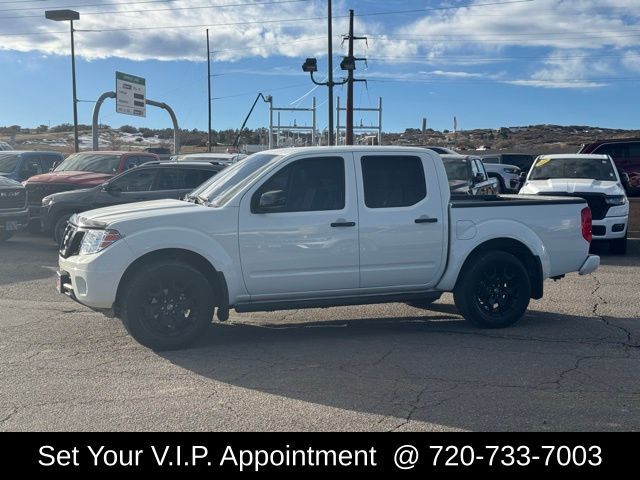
(182,179)
(48,161)
(392,181)
(135,181)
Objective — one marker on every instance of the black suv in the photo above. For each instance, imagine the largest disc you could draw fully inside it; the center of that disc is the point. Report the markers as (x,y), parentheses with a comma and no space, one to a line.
(625,153)
(151,181)
(14,214)
(521,160)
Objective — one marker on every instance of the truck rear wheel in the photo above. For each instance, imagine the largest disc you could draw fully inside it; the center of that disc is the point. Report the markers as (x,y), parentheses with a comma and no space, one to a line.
(493,291)
(165,306)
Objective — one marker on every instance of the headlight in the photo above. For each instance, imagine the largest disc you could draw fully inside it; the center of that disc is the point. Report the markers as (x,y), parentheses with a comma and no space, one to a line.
(46,201)
(616,200)
(515,171)
(95,241)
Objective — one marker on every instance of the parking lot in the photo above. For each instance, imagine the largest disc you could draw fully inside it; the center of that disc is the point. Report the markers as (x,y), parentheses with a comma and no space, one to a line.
(573,363)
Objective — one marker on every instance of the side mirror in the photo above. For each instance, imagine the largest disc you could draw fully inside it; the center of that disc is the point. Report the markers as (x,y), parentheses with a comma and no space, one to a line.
(523,177)
(478,178)
(271,200)
(110,188)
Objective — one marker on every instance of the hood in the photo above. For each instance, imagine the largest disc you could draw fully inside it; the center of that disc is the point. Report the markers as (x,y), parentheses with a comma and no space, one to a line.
(572,185)
(81,194)
(7,182)
(88,179)
(140,213)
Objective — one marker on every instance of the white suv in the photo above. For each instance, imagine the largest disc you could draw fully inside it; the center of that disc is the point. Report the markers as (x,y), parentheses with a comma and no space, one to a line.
(592,177)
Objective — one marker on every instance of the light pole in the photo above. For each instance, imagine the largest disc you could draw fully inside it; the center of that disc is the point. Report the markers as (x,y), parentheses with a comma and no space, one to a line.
(60,16)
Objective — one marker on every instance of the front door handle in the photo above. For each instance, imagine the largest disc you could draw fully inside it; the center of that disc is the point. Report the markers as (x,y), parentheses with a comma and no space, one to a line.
(343,224)
(426,220)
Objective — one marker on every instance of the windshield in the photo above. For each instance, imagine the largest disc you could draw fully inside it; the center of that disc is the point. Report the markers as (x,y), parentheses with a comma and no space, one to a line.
(90,162)
(232,179)
(8,162)
(591,168)
(456,169)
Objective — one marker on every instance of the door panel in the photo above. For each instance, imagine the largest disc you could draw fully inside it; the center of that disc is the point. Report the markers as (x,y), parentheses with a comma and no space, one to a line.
(402,229)
(291,247)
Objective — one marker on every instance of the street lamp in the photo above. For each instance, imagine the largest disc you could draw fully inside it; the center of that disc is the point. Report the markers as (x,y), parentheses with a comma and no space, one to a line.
(310,66)
(62,16)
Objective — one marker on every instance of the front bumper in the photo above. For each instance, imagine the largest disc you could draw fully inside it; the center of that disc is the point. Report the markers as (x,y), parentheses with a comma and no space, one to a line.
(93,279)
(610,228)
(590,265)
(12,220)
(34,211)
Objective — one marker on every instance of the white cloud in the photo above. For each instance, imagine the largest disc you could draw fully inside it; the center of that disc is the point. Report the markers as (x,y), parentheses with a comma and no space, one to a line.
(452,40)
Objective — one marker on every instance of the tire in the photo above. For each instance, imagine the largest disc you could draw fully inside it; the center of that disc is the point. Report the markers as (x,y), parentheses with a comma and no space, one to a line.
(4,236)
(59,227)
(426,301)
(166,306)
(618,246)
(500,188)
(493,291)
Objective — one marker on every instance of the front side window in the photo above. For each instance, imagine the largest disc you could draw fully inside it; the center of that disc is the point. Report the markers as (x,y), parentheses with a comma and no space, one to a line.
(392,181)
(135,181)
(617,151)
(310,184)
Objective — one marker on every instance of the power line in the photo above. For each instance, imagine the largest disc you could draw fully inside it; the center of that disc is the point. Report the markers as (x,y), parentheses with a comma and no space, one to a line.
(86,5)
(201,7)
(523,57)
(263,22)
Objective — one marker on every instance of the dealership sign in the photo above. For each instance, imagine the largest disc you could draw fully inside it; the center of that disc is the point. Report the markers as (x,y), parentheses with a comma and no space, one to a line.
(130,95)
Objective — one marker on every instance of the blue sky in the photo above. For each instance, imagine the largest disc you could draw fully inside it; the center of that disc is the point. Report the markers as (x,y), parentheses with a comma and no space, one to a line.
(491,63)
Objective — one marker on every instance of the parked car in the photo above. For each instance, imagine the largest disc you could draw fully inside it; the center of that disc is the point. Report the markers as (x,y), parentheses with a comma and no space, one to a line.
(80,170)
(5,146)
(467,175)
(625,153)
(592,177)
(507,176)
(521,160)
(319,227)
(151,181)
(442,150)
(14,214)
(222,158)
(161,152)
(19,165)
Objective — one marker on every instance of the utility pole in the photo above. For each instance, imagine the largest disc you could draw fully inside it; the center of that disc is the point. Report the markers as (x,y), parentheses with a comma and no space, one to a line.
(330,66)
(209,93)
(350,81)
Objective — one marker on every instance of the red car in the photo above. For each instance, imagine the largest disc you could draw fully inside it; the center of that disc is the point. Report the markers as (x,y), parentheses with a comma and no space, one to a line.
(80,170)
(626,155)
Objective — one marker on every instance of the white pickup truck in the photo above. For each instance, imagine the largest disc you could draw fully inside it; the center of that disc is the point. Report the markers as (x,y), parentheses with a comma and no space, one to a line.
(320,227)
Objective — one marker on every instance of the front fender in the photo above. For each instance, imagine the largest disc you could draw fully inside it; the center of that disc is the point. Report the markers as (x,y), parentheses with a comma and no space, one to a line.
(466,238)
(219,250)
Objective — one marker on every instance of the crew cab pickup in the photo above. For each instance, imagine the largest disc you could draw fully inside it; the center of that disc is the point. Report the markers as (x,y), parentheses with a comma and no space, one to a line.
(320,227)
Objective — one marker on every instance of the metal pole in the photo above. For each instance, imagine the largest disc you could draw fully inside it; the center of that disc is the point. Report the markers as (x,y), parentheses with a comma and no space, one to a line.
(278,132)
(271,123)
(96,112)
(338,121)
(75,98)
(174,120)
(330,63)
(209,92)
(349,120)
(379,120)
(313,131)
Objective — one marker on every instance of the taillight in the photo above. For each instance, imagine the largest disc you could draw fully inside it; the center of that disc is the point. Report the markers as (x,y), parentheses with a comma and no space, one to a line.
(585,216)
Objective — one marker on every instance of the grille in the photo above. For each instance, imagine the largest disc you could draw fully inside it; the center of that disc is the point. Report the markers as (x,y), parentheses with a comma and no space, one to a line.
(596,201)
(13,198)
(71,240)
(37,191)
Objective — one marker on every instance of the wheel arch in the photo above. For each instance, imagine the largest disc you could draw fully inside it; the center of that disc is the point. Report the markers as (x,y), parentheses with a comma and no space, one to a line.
(216,279)
(531,261)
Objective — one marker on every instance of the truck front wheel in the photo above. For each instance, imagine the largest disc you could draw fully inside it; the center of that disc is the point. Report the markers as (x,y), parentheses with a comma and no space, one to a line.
(165,306)
(493,291)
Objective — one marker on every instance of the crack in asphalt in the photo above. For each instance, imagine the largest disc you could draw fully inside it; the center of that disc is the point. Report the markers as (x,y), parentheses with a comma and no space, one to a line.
(603,318)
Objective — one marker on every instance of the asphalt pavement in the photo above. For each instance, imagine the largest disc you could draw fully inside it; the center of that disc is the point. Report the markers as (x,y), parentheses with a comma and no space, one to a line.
(573,362)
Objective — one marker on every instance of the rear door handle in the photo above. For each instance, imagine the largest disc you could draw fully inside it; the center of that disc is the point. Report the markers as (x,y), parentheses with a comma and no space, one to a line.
(426,220)
(343,224)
